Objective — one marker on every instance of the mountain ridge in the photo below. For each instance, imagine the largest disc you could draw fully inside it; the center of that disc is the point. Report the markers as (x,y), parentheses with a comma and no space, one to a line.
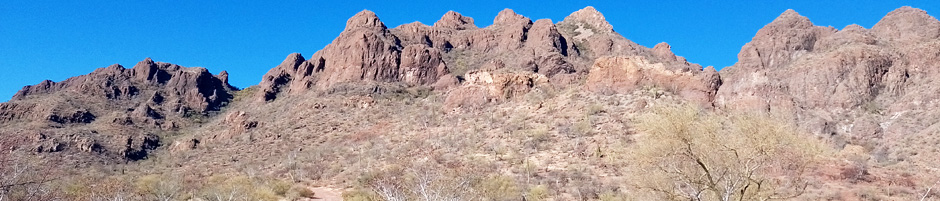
(518,84)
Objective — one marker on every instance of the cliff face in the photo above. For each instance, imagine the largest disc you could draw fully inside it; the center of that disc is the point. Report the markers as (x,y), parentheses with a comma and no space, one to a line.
(446,55)
(871,87)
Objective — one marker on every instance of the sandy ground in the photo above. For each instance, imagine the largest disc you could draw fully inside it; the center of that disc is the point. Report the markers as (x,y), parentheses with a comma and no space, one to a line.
(326,193)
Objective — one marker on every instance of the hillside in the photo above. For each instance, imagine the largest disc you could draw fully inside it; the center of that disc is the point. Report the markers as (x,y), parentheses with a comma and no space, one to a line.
(518,110)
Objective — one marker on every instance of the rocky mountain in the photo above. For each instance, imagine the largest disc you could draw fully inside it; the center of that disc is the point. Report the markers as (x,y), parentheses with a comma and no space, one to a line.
(477,65)
(113,111)
(868,87)
(521,105)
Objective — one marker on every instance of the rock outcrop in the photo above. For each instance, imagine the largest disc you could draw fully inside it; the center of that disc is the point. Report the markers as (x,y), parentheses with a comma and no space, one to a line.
(627,74)
(113,111)
(456,21)
(858,86)
(487,86)
(415,54)
(365,51)
(171,87)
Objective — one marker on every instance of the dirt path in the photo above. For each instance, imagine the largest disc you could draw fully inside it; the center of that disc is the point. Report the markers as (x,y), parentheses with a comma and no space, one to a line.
(327,194)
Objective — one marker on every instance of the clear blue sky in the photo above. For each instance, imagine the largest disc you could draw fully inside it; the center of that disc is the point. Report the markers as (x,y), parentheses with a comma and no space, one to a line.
(51,39)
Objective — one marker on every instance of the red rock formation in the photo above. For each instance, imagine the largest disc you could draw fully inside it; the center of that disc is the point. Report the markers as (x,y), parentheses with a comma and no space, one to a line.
(857,85)
(112,111)
(491,85)
(172,88)
(454,20)
(627,74)
(420,55)
(364,52)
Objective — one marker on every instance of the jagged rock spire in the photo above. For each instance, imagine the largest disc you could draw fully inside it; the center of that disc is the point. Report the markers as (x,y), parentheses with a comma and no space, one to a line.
(791,18)
(364,19)
(592,17)
(509,17)
(454,20)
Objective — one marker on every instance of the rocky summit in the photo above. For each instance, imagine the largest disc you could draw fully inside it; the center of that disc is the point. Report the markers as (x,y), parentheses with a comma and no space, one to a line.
(518,110)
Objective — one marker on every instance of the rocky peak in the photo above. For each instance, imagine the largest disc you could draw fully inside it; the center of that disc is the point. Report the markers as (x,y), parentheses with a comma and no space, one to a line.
(292,61)
(592,17)
(364,19)
(663,50)
(908,23)
(146,62)
(162,87)
(509,17)
(853,28)
(775,44)
(222,76)
(544,37)
(790,19)
(454,20)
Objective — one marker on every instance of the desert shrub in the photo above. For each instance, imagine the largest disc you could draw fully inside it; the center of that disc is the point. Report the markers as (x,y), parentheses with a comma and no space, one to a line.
(537,137)
(612,196)
(538,193)
(225,188)
(595,109)
(685,153)
(300,192)
(159,187)
(279,187)
(95,188)
(359,194)
(245,93)
(500,188)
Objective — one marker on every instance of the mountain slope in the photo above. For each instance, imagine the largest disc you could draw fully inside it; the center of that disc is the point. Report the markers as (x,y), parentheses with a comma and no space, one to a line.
(517,110)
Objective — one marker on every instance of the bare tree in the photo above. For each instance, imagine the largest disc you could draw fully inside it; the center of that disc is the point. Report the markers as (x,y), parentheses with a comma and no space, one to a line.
(423,181)
(22,179)
(685,153)
(929,188)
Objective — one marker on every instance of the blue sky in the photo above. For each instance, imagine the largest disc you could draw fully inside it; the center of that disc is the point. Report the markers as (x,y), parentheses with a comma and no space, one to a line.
(46,39)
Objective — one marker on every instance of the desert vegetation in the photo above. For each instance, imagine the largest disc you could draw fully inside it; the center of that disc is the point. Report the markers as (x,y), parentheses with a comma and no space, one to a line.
(551,144)
(685,153)
(520,110)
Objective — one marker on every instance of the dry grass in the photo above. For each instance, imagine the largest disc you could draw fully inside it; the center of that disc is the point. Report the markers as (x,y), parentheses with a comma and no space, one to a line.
(550,144)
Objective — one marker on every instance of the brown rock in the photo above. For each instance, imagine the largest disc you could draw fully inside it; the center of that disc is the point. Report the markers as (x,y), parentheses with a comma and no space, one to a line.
(664,50)
(294,72)
(510,30)
(239,122)
(508,17)
(775,44)
(590,36)
(365,19)
(139,147)
(417,54)
(627,74)
(453,20)
(544,37)
(908,24)
(174,89)
(592,18)
(365,52)
(421,65)
(854,86)
(484,86)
